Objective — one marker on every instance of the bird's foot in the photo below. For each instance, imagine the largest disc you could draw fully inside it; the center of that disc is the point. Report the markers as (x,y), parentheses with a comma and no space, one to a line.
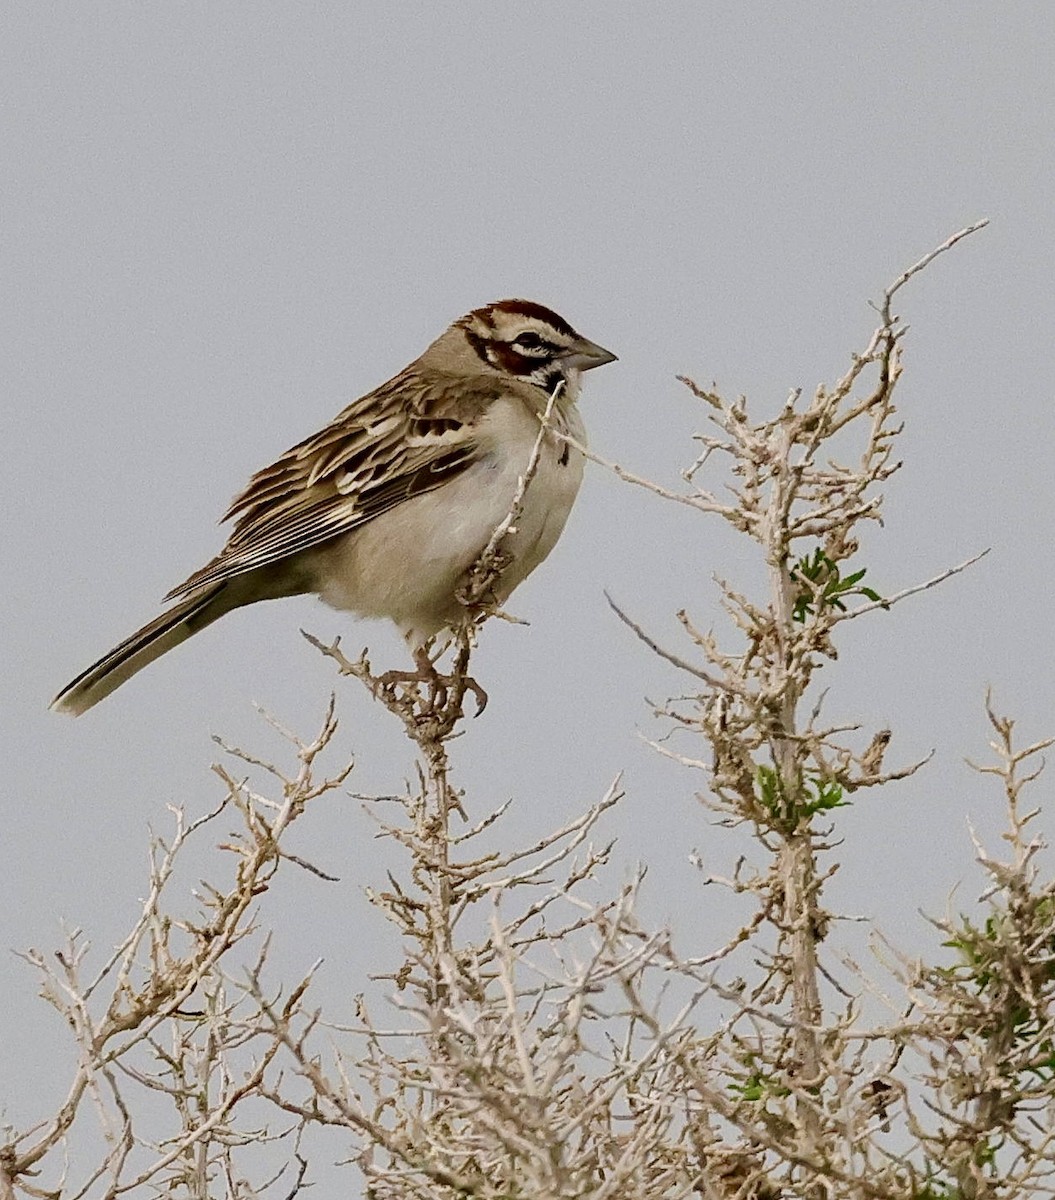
(441,688)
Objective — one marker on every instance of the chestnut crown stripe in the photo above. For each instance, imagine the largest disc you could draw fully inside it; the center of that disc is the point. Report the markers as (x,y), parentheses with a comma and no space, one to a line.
(526,308)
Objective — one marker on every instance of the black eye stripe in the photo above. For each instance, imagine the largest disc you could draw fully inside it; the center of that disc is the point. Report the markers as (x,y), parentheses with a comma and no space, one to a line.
(531,362)
(533,344)
(506,357)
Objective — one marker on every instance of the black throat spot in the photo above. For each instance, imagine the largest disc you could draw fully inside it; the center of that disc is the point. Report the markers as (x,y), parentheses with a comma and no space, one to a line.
(549,377)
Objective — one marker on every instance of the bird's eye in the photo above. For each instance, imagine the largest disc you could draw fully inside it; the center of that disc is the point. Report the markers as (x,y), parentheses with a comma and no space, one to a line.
(529,341)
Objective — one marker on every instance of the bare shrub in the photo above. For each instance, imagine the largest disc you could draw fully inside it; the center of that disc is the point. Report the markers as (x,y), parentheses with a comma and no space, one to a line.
(550,1044)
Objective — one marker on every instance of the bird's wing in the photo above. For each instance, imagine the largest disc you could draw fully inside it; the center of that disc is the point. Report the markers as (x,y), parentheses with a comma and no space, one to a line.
(410,436)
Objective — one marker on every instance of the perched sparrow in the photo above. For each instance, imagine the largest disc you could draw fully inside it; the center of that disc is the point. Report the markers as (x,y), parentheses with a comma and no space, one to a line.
(385,510)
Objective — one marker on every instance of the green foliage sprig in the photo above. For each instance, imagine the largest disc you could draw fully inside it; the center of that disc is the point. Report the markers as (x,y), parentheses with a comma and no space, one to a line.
(826,586)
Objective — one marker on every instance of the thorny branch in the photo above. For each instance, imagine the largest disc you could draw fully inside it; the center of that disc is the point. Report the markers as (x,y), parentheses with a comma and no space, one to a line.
(161,1017)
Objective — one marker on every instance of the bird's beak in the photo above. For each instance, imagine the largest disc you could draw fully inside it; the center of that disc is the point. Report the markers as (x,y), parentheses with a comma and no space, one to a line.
(588,355)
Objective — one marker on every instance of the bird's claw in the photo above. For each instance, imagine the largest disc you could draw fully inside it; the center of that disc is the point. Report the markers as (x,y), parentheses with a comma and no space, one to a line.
(440,686)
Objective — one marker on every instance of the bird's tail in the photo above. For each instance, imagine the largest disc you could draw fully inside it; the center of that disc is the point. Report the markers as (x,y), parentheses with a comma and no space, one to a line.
(134,653)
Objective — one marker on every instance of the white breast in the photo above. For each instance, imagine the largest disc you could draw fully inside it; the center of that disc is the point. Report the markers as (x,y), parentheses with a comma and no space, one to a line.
(409,563)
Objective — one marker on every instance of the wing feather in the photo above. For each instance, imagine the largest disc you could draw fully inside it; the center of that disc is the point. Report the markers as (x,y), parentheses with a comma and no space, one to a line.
(410,436)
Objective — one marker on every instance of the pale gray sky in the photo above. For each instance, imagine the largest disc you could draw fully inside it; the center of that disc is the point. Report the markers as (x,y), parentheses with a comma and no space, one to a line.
(219,222)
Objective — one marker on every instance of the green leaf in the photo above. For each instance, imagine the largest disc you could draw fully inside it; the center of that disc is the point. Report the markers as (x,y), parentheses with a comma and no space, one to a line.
(823,573)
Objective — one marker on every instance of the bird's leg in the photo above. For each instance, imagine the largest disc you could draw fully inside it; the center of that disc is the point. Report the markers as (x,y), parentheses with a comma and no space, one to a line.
(428,673)
(460,677)
(458,681)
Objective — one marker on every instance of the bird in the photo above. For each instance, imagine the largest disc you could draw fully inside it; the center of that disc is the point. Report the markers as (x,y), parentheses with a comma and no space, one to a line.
(384,511)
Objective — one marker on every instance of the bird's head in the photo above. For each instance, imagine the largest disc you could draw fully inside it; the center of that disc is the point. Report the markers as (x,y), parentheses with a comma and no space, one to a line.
(531,343)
